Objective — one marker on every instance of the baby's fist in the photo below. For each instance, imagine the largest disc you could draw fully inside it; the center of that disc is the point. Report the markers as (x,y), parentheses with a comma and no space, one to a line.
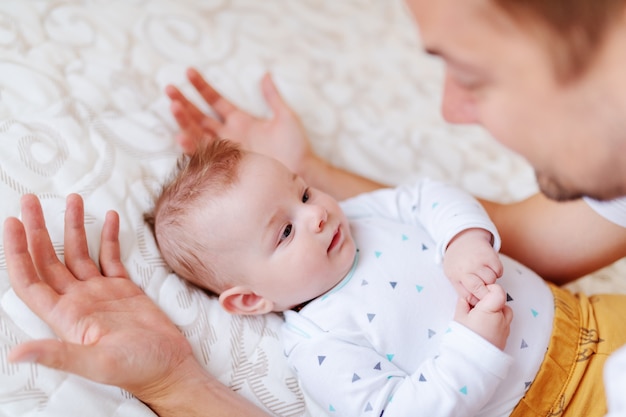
(490,318)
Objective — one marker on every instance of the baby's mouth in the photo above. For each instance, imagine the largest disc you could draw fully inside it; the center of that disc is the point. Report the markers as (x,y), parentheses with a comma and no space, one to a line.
(336,240)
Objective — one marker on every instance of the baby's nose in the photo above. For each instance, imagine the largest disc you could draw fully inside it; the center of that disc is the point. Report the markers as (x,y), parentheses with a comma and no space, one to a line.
(319,217)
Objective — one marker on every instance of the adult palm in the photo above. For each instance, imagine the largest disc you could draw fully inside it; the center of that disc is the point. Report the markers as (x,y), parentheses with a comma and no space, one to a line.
(281,136)
(109,330)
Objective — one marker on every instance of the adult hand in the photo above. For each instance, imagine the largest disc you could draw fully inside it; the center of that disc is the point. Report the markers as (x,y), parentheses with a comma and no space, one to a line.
(471,263)
(109,330)
(490,318)
(282,136)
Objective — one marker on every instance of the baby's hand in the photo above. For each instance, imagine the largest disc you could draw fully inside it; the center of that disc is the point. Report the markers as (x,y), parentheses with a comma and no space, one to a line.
(471,263)
(490,318)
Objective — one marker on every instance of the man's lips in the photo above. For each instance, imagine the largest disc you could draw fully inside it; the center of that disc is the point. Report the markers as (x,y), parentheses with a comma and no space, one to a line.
(336,239)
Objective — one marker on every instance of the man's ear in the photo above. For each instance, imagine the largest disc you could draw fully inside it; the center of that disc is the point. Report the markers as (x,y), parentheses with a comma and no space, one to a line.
(242,300)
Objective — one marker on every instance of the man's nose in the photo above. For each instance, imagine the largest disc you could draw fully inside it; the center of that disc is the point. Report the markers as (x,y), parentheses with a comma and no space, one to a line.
(458,105)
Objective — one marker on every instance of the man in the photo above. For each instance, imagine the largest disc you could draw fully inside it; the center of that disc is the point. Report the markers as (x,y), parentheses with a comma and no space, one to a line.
(544,79)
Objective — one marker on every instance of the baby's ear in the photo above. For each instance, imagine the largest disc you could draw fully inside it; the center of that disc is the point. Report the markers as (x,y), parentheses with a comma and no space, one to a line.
(242,300)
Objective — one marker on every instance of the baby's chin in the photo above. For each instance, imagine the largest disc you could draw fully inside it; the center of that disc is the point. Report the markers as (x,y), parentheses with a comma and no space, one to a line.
(348,264)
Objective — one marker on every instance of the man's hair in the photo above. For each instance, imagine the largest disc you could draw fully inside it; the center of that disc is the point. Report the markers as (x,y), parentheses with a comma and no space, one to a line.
(573,30)
(198,179)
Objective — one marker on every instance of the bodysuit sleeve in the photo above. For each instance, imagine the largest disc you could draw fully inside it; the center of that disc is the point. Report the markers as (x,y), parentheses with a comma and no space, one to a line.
(442,209)
(348,379)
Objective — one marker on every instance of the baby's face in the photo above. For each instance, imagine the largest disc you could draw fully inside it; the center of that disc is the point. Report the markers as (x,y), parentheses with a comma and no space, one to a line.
(291,243)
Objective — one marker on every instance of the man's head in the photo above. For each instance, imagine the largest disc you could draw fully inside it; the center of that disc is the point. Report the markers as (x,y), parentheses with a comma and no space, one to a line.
(245,227)
(545,78)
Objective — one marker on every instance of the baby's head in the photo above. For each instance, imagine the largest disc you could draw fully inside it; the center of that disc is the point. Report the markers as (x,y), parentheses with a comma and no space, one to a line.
(197,185)
(243,226)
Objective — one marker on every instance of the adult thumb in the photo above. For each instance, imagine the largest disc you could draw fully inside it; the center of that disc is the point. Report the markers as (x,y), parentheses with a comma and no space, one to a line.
(58,355)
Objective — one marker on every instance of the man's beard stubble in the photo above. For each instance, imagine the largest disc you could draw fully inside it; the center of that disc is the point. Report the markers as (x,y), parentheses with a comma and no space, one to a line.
(556,191)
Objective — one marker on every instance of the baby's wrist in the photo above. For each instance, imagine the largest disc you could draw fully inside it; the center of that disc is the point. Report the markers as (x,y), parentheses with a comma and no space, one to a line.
(472,235)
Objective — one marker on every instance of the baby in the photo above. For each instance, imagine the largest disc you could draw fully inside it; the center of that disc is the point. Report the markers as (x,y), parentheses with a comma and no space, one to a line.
(372,324)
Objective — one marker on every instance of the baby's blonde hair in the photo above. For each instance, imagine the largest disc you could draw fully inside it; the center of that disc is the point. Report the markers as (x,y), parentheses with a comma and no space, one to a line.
(205,175)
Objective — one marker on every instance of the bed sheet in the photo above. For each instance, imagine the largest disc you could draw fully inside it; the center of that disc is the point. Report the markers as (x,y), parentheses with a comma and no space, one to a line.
(82,110)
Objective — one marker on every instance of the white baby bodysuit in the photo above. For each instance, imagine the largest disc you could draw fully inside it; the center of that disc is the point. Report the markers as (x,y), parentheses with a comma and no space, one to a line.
(383,340)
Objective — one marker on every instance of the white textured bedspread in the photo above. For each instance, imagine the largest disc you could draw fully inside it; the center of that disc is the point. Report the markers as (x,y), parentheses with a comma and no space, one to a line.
(82,110)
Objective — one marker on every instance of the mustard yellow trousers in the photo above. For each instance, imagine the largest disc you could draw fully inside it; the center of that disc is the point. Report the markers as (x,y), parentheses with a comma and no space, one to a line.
(569,382)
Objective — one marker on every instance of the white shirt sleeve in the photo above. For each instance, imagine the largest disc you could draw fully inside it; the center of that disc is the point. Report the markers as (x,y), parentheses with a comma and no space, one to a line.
(442,209)
(348,379)
(615,368)
(612,210)
(615,381)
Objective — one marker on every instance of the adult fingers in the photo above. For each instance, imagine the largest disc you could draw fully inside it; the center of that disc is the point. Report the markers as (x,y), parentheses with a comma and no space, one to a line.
(37,295)
(184,120)
(190,109)
(42,253)
(110,261)
(212,126)
(272,96)
(214,99)
(77,256)
(187,144)
(192,133)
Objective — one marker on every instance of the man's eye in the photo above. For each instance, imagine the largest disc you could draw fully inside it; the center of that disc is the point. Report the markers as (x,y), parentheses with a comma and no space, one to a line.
(305,196)
(286,232)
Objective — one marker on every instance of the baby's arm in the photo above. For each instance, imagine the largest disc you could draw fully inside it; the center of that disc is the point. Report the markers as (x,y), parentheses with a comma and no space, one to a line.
(466,239)
(471,263)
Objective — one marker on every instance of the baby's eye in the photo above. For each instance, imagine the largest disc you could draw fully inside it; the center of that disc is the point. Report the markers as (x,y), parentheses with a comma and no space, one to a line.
(286,232)
(305,196)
